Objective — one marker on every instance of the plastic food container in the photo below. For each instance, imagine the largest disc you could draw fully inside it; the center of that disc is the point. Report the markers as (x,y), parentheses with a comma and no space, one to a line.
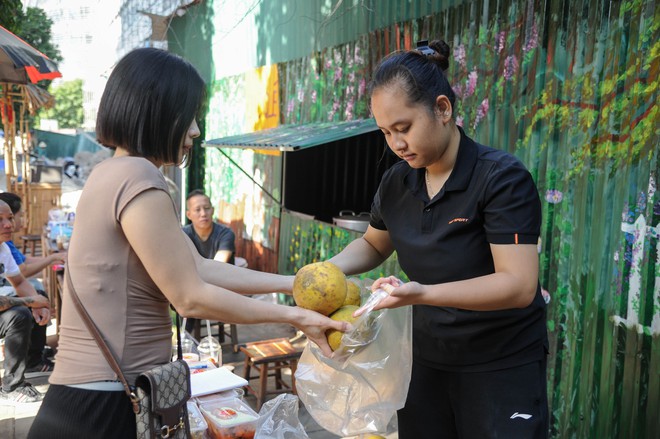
(230,419)
(236,393)
(198,425)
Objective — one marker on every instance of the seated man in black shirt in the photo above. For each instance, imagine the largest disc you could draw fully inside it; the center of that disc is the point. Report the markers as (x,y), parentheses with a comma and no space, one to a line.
(212,240)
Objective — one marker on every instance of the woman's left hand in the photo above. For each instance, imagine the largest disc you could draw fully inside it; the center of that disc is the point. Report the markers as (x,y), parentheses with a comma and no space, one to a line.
(315,326)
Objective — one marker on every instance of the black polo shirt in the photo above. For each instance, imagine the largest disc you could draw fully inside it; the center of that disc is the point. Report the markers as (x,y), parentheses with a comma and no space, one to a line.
(489,198)
(221,238)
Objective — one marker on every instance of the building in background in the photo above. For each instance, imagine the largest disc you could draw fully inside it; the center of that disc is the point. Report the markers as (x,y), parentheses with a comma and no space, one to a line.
(144,23)
(92,35)
(87,33)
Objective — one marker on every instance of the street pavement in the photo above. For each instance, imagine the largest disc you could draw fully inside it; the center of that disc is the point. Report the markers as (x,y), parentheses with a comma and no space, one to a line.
(15,420)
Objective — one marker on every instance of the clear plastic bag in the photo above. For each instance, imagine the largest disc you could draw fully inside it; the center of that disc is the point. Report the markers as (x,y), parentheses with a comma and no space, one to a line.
(360,388)
(278,419)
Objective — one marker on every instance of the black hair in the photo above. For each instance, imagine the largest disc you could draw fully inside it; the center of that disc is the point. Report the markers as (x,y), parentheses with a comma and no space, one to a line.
(421,76)
(13,201)
(194,193)
(149,102)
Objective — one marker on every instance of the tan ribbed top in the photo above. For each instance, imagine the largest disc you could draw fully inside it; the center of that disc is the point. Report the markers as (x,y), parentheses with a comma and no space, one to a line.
(121,298)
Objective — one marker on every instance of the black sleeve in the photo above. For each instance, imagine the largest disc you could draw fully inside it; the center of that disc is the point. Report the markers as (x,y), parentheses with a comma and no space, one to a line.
(512,211)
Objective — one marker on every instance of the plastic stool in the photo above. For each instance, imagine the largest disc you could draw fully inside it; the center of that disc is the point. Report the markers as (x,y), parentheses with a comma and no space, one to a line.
(266,356)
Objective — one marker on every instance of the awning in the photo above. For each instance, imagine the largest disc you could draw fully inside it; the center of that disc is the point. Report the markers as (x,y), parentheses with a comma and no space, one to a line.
(296,137)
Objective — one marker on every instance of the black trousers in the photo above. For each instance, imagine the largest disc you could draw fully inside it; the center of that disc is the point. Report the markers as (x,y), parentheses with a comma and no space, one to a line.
(15,326)
(37,341)
(24,343)
(68,413)
(510,403)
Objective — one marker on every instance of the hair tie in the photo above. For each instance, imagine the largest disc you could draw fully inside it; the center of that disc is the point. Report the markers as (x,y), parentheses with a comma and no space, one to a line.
(424,49)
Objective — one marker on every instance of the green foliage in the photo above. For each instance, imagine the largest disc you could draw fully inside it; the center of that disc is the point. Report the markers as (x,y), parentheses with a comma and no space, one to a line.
(33,26)
(11,14)
(68,109)
(36,31)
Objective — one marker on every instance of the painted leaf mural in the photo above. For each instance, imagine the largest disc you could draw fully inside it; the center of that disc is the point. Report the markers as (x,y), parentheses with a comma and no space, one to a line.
(569,87)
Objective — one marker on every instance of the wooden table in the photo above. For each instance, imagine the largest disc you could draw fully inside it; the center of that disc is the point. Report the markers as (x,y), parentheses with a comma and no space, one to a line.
(53,276)
(268,356)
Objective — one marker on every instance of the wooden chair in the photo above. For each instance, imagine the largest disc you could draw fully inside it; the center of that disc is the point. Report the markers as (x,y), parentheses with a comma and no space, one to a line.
(31,242)
(221,334)
(270,356)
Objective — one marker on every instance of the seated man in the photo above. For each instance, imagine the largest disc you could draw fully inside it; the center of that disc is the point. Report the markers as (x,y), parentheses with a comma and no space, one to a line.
(37,362)
(16,319)
(212,240)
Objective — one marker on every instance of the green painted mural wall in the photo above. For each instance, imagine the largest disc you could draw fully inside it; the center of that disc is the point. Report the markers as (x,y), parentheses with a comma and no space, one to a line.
(571,88)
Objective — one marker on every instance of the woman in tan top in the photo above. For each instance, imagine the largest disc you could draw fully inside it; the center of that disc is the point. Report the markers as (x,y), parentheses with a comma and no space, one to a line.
(128,259)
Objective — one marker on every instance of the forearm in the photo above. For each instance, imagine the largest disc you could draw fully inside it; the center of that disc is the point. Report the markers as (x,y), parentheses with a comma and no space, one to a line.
(214,303)
(32,266)
(358,257)
(486,293)
(24,288)
(243,280)
(7,302)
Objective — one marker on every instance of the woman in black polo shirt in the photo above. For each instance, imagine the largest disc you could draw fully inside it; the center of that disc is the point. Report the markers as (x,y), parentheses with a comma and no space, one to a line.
(464,220)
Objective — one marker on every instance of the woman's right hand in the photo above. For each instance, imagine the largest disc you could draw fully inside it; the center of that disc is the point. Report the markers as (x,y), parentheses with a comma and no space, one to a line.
(315,325)
(399,294)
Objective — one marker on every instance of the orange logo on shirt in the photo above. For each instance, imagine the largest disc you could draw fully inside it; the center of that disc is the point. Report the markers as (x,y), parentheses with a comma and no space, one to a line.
(458,220)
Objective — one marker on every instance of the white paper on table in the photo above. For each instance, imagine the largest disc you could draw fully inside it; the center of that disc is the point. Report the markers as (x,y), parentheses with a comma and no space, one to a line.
(213,381)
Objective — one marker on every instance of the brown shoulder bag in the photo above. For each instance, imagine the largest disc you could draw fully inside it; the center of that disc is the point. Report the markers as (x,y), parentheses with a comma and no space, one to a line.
(159,395)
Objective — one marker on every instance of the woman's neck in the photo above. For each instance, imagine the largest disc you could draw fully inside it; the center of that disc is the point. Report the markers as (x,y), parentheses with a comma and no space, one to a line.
(445,163)
(123,152)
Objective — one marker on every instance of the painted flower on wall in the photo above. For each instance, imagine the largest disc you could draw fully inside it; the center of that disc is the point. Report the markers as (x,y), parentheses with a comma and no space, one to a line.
(334,88)
(471,83)
(510,67)
(481,112)
(348,111)
(335,107)
(289,107)
(500,38)
(459,54)
(458,90)
(553,196)
(362,88)
(532,38)
(338,74)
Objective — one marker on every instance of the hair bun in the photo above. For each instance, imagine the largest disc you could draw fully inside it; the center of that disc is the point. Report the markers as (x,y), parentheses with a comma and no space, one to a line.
(441,57)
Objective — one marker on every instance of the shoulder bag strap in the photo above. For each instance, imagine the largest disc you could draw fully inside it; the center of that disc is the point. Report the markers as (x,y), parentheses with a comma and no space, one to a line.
(105,349)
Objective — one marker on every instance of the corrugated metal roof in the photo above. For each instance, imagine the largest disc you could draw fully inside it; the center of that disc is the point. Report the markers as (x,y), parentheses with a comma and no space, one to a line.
(295,137)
